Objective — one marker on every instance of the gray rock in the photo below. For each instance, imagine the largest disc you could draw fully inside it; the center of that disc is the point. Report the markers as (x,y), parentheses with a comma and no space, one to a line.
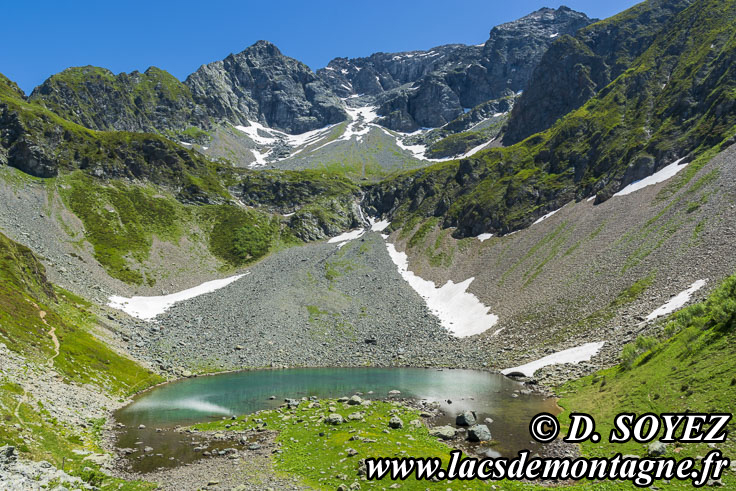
(443,432)
(656,449)
(431,88)
(465,418)
(355,400)
(261,84)
(479,433)
(334,419)
(395,423)
(8,454)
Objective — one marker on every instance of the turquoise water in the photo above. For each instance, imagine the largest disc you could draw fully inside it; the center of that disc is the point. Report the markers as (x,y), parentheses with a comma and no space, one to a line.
(201,399)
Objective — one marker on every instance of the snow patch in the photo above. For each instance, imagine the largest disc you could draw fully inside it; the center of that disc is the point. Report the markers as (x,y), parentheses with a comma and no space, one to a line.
(146,308)
(255,132)
(572,355)
(677,301)
(346,237)
(379,226)
(483,237)
(360,121)
(459,312)
(659,176)
(544,217)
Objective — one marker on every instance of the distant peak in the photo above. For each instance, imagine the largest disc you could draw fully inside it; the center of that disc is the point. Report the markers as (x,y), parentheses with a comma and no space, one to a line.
(263,48)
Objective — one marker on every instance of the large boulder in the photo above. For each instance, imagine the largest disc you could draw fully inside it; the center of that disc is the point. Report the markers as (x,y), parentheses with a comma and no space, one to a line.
(479,433)
(334,419)
(443,432)
(465,418)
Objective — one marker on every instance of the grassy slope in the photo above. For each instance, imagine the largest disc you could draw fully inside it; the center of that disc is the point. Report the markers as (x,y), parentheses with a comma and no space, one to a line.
(82,359)
(183,191)
(154,101)
(691,369)
(122,219)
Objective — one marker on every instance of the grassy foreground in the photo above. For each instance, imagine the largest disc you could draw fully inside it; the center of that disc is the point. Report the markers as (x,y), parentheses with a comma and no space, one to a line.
(30,307)
(690,368)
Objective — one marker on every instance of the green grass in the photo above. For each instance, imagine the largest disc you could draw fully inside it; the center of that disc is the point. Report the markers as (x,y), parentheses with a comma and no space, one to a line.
(121,220)
(83,359)
(690,369)
(240,236)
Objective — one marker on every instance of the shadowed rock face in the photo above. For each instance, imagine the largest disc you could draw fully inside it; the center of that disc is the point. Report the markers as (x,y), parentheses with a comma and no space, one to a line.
(431,88)
(261,84)
(575,68)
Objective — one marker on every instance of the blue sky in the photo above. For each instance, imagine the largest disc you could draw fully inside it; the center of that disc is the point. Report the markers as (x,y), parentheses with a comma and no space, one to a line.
(40,38)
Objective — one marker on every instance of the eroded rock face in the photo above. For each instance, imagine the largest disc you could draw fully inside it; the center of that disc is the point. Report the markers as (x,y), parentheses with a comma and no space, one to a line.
(431,88)
(575,68)
(261,84)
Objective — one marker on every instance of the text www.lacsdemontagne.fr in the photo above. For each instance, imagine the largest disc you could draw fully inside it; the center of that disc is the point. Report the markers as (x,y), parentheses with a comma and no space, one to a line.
(642,472)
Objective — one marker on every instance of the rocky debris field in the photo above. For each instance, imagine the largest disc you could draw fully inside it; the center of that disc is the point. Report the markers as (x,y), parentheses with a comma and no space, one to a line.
(27,475)
(315,305)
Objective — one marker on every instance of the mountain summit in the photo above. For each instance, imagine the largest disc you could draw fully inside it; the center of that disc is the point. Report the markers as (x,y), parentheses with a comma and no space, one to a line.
(261,84)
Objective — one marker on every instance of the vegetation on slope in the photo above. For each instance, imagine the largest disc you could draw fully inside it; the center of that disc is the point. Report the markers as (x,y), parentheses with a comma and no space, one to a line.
(30,307)
(677,99)
(153,101)
(690,367)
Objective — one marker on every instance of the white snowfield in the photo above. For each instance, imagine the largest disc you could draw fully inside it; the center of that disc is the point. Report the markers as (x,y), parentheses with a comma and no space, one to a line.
(676,302)
(660,176)
(459,312)
(544,217)
(146,308)
(379,226)
(418,151)
(346,237)
(484,237)
(572,355)
(360,116)
(265,136)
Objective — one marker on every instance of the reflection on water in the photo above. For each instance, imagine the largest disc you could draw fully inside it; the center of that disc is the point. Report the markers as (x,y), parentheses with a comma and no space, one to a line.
(200,399)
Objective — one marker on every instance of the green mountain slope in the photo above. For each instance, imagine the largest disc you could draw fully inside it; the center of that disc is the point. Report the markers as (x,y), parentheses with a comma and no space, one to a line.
(690,368)
(575,68)
(678,100)
(151,102)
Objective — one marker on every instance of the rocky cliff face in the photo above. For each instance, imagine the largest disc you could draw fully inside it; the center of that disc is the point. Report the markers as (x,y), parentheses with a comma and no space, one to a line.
(153,102)
(575,68)
(261,84)
(675,101)
(431,88)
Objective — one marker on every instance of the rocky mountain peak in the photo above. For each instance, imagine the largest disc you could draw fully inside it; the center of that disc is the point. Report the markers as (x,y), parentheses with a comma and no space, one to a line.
(261,84)
(430,88)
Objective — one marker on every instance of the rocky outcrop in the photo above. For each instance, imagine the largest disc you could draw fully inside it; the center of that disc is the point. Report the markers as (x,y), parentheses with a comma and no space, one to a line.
(261,84)
(431,88)
(575,68)
(39,142)
(153,101)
